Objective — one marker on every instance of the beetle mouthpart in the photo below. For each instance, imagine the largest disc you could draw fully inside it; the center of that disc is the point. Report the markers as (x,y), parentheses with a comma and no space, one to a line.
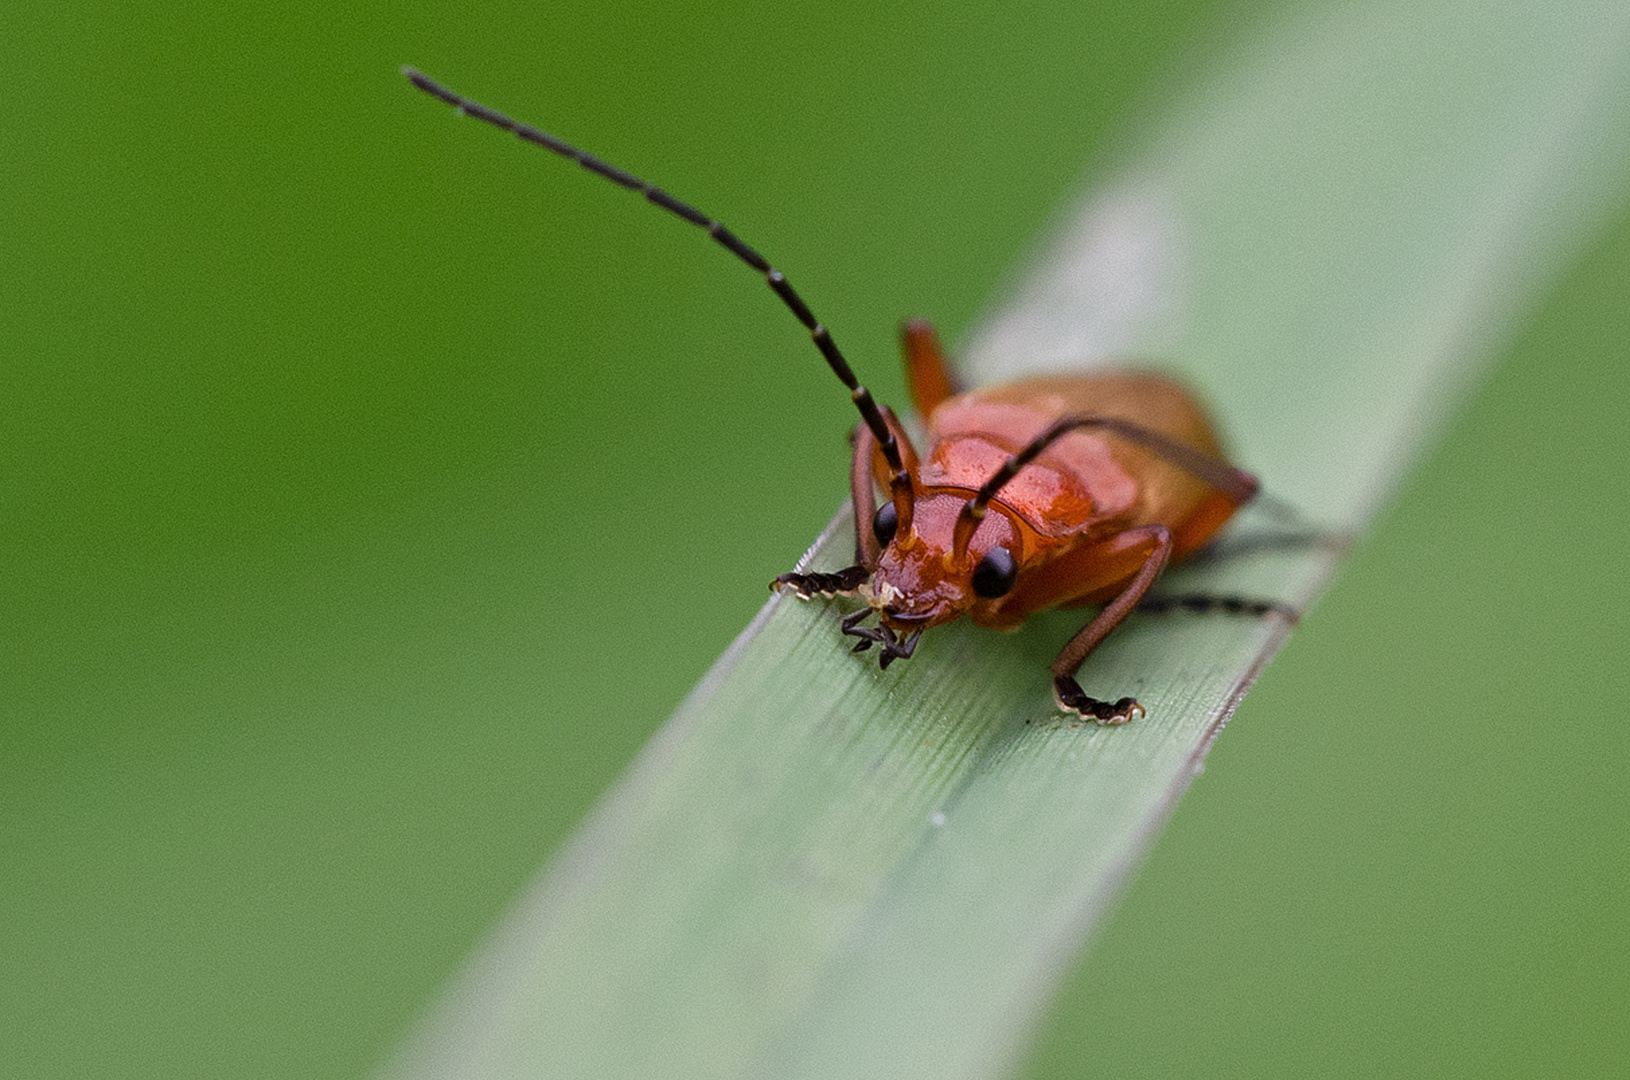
(895,646)
(881,597)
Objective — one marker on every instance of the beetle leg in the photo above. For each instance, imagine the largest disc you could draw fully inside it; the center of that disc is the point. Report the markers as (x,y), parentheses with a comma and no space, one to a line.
(854,619)
(1239,546)
(1070,696)
(927,374)
(867,635)
(896,646)
(1204,603)
(867,549)
(841,583)
(900,648)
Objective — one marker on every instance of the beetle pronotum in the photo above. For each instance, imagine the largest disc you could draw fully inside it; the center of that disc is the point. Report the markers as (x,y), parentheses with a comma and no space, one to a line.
(1097,482)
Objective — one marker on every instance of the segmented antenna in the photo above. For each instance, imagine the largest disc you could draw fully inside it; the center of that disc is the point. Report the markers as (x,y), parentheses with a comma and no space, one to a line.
(728,240)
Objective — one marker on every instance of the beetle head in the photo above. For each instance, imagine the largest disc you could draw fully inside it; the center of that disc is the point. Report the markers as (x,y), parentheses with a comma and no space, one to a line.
(944,563)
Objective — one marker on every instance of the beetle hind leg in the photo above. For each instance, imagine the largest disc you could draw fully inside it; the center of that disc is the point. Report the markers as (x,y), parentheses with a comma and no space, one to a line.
(1071,698)
(1207,603)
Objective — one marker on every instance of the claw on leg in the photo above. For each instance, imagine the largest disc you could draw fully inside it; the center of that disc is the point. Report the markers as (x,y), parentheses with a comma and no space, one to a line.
(1071,698)
(895,647)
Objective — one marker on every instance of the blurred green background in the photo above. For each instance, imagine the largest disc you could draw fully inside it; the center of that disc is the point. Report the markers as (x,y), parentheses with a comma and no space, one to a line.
(371,488)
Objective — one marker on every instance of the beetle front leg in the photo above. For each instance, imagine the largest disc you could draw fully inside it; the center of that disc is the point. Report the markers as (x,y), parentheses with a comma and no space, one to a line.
(841,583)
(1070,696)
(844,582)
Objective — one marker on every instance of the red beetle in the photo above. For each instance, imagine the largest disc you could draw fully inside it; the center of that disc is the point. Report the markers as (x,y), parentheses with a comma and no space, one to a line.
(1097,482)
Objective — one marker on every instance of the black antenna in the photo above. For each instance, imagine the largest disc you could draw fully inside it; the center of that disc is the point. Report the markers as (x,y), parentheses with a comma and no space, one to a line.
(862,397)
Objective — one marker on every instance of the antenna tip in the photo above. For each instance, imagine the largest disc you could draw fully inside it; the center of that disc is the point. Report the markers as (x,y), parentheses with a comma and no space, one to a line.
(430,86)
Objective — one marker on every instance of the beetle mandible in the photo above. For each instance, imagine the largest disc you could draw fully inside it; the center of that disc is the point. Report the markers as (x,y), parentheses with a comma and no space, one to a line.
(1097,482)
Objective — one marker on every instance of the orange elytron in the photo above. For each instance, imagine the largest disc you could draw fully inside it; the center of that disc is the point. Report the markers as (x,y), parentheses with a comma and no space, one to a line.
(1043,493)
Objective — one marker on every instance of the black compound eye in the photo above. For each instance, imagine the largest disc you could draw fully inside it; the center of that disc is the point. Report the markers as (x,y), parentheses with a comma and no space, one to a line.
(995,574)
(884,524)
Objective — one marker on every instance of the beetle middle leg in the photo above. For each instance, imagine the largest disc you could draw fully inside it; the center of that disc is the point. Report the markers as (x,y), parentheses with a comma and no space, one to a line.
(1205,603)
(1070,696)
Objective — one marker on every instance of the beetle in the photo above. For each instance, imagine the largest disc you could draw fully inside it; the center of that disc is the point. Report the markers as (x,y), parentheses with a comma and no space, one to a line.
(1056,491)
